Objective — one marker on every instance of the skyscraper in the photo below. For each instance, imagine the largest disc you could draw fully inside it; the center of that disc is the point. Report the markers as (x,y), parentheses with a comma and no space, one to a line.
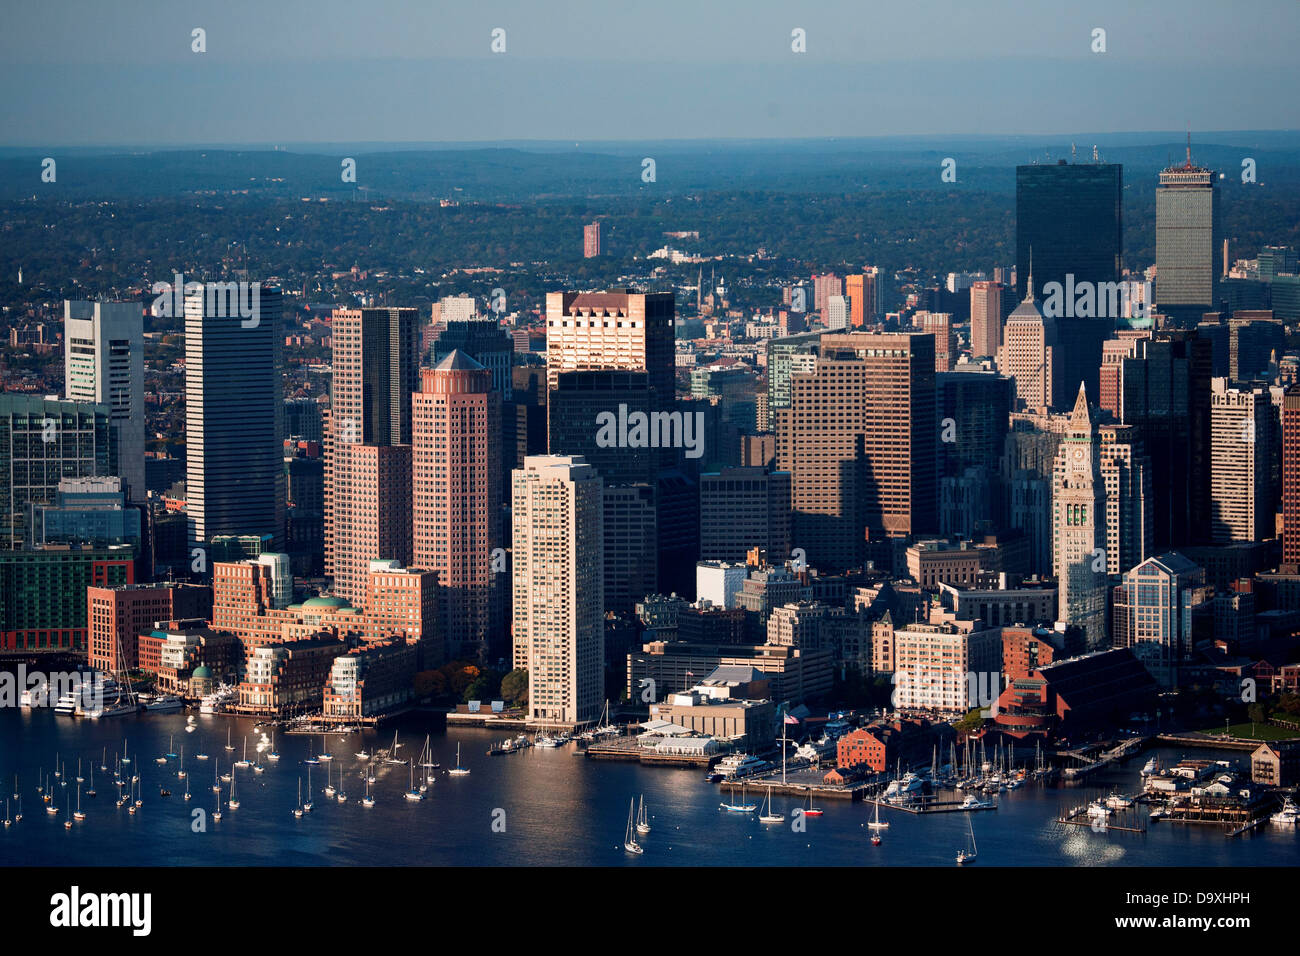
(234,473)
(1028,353)
(1291,480)
(591,240)
(559,626)
(939,324)
(456,448)
(486,342)
(367,447)
(859,441)
(103,361)
(1187,237)
(985,318)
(1079,527)
(618,329)
(1155,607)
(1241,494)
(1069,222)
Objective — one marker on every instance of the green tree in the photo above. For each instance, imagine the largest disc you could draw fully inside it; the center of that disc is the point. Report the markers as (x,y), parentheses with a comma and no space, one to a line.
(514,687)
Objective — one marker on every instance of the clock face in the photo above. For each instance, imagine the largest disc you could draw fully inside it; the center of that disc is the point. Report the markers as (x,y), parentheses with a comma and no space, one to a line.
(1078,454)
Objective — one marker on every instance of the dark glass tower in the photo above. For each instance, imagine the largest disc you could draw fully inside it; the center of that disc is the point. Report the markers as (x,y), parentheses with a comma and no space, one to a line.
(1070,216)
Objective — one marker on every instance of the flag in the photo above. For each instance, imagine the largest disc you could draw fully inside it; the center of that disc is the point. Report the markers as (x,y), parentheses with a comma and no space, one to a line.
(791,720)
(689,674)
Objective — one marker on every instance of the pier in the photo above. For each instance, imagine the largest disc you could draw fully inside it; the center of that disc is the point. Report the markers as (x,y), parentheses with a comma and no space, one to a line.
(1079,817)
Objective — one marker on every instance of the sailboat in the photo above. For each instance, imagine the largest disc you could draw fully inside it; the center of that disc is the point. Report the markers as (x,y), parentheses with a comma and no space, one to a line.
(297,811)
(329,782)
(8,822)
(810,810)
(90,791)
(642,821)
(271,754)
(180,773)
(125,758)
(413,794)
(67,822)
(324,754)
(229,745)
(18,817)
(171,747)
(311,756)
(458,770)
(368,800)
(962,855)
(79,815)
(80,778)
(233,802)
(767,816)
(216,814)
(876,823)
(306,807)
(392,753)
(188,795)
(741,807)
(629,841)
(243,761)
(103,761)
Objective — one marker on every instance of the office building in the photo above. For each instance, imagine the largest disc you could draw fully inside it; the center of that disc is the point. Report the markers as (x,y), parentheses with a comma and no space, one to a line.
(1187,240)
(103,356)
(457,521)
(1079,527)
(859,442)
(985,318)
(234,474)
(591,240)
(742,509)
(1157,606)
(558,573)
(1242,497)
(1069,230)
(618,329)
(368,444)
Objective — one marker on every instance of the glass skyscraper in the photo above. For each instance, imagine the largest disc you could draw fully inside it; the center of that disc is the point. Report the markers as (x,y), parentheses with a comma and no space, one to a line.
(1070,217)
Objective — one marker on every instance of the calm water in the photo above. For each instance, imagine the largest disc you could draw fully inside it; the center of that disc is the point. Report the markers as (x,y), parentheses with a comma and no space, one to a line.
(559,808)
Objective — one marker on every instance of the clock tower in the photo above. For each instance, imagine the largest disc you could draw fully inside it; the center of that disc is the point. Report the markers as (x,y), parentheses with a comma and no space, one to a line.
(1079,527)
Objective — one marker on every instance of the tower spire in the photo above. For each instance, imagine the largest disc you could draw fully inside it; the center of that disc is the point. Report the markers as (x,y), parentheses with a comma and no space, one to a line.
(1029,285)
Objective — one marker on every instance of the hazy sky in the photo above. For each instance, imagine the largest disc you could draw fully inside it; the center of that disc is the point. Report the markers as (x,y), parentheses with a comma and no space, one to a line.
(90,72)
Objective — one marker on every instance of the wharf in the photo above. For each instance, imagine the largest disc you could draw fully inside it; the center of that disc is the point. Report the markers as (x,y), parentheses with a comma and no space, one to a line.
(1079,817)
(930,805)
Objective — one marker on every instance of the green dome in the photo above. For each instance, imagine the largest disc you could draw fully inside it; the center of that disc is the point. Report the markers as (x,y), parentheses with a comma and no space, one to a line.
(202,672)
(325,602)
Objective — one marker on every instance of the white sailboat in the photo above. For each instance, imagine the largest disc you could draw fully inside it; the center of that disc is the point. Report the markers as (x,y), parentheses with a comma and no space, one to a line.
(180,772)
(90,791)
(243,761)
(964,856)
(368,800)
(642,821)
(271,754)
(767,816)
(324,754)
(458,770)
(876,823)
(297,811)
(306,807)
(329,782)
(79,815)
(216,814)
(229,745)
(413,794)
(392,753)
(233,802)
(629,841)
(741,807)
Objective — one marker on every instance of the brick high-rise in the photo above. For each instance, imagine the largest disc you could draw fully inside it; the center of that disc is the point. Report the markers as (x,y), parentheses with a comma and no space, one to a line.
(456,468)
(368,455)
(985,318)
(1291,480)
(859,441)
